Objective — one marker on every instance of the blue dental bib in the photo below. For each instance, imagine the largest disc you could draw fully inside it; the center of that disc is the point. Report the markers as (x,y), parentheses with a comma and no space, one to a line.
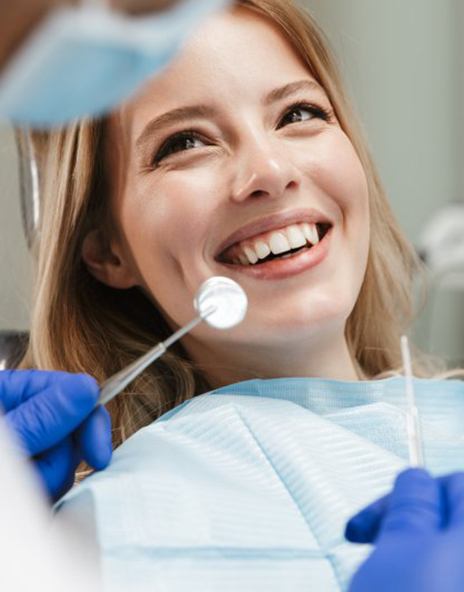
(249,487)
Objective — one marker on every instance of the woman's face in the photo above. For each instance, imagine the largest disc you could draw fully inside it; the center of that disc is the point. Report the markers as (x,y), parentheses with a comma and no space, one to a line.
(235,165)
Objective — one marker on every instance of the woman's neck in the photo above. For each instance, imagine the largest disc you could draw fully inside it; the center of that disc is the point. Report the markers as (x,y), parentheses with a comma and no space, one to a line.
(226,363)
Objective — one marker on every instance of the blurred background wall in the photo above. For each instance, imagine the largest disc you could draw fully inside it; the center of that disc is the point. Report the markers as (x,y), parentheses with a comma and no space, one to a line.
(15,263)
(404,66)
(403,63)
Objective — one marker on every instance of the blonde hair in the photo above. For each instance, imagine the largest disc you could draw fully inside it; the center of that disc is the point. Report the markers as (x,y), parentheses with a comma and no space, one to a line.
(80,325)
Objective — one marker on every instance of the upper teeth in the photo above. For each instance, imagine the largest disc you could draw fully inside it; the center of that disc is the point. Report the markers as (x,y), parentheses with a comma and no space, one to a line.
(276,242)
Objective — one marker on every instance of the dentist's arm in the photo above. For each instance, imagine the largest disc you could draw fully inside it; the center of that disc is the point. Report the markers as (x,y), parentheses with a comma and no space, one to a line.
(418,534)
(53,418)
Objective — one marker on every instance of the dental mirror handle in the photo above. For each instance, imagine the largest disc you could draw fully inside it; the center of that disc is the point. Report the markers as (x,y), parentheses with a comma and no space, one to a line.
(118,382)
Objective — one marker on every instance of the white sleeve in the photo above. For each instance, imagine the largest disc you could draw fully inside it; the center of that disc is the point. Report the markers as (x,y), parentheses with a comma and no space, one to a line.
(31,551)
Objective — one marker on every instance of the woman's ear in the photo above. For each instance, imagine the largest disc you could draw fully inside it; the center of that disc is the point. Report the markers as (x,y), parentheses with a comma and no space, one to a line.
(106,262)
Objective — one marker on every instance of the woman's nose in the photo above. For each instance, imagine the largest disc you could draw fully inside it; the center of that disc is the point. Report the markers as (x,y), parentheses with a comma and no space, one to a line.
(264,171)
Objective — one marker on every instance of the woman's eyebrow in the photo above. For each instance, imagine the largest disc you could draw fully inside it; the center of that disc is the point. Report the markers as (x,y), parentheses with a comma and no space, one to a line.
(174,116)
(205,111)
(289,89)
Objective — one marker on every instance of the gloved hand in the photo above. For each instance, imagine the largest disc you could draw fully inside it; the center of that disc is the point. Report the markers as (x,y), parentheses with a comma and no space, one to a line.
(52,415)
(364,526)
(419,539)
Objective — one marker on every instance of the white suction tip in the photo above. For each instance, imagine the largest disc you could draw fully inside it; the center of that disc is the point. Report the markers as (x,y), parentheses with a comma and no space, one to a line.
(227,300)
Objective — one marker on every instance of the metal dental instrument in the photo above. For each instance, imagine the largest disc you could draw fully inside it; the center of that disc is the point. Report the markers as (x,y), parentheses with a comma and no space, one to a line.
(220,302)
(416,456)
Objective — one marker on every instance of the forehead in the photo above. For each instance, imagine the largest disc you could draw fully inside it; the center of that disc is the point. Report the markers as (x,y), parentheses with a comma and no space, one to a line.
(236,55)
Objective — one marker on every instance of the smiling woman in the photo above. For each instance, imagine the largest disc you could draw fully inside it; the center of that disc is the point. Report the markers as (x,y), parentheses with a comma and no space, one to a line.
(231,165)
(222,165)
(241,159)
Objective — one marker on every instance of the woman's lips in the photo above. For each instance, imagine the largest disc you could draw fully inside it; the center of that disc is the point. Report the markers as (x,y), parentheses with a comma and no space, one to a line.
(270,223)
(281,268)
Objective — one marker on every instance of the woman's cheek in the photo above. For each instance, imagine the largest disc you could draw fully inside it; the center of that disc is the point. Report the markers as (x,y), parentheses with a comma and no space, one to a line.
(193,188)
(350,182)
(342,178)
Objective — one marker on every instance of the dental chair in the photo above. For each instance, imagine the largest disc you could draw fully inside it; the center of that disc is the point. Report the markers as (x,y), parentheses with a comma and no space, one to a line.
(13,345)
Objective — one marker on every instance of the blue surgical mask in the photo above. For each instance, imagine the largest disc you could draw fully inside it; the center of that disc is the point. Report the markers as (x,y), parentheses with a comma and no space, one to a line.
(83,61)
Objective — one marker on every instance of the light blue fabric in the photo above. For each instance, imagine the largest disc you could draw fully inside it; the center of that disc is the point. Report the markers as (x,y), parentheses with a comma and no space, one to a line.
(85,60)
(248,488)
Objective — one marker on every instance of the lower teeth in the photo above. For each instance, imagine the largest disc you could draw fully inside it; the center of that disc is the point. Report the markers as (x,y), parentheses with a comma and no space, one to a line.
(292,254)
(286,255)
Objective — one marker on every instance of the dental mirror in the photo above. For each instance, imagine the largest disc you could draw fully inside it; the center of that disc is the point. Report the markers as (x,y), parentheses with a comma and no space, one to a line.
(226,297)
(220,302)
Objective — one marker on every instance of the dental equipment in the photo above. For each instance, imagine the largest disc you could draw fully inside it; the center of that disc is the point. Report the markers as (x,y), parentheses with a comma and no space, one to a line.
(441,244)
(220,302)
(416,456)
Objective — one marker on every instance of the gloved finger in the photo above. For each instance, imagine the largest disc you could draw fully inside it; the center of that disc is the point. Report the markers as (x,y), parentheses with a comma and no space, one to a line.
(364,526)
(454,492)
(45,419)
(414,507)
(56,468)
(14,386)
(17,386)
(93,438)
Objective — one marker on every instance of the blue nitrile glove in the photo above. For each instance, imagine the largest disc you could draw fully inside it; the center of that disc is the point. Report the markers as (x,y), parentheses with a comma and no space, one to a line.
(364,526)
(420,540)
(53,417)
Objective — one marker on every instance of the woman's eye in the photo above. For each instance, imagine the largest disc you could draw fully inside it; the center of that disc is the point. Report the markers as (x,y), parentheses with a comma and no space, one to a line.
(300,113)
(178,143)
